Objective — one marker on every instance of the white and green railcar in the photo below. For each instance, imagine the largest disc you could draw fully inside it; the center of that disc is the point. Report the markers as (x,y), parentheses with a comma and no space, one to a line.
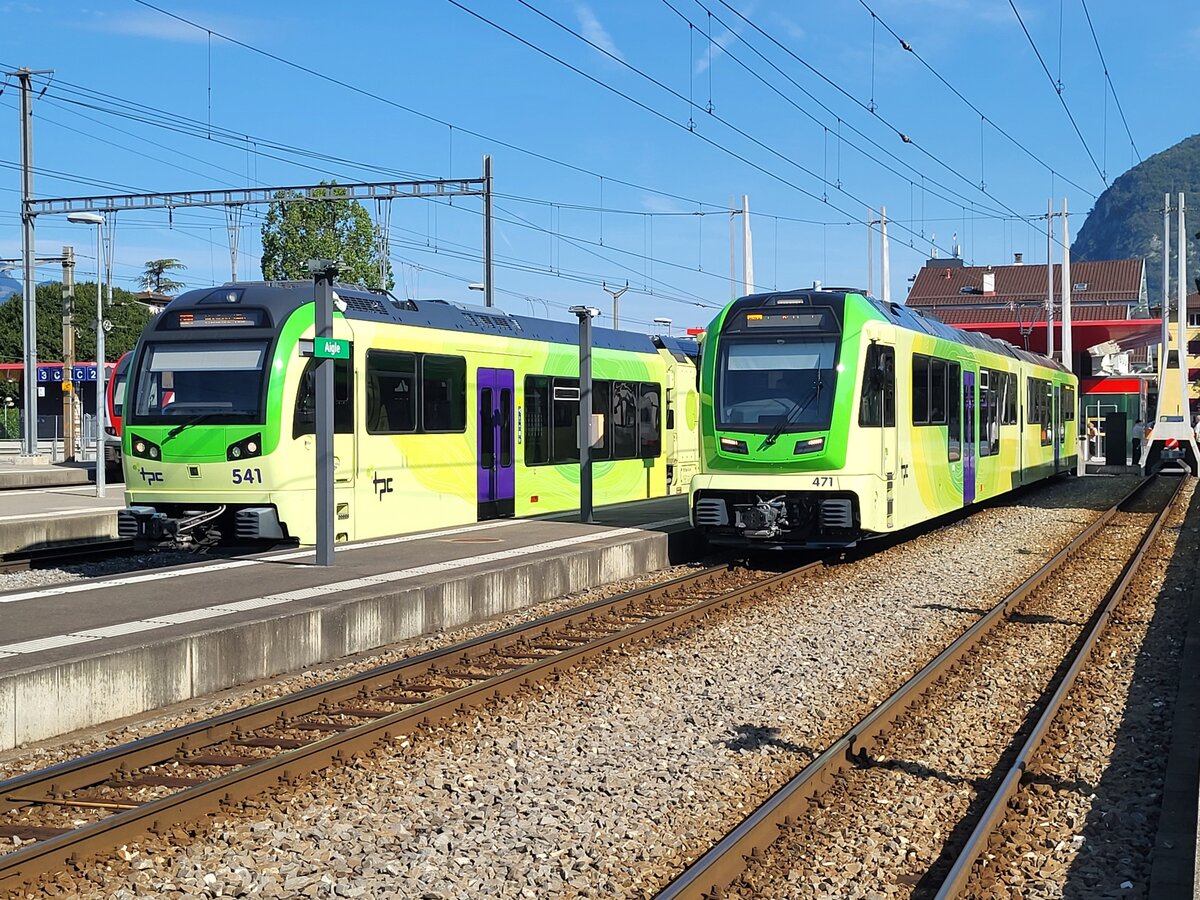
(443,415)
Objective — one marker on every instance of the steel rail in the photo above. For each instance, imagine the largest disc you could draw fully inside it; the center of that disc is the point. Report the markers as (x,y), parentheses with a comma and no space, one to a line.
(192,803)
(956,880)
(709,876)
(24,560)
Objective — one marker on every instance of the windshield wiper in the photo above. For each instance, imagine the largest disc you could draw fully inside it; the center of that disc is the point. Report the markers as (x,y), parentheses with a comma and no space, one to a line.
(194,420)
(792,415)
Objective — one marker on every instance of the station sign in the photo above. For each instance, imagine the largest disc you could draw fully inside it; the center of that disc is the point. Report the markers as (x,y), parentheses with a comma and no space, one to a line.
(54,374)
(326,348)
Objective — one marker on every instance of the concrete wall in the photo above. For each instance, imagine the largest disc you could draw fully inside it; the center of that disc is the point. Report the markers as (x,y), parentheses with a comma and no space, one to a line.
(44,702)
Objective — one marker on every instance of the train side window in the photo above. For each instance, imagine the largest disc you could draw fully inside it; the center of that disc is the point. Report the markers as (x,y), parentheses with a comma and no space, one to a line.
(954,414)
(877,406)
(564,421)
(487,429)
(391,392)
(989,412)
(1068,401)
(506,441)
(601,394)
(624,420)
(443,393)
(649,420)
(937,392)
(537,415)
(304,419)
(920,390)
(1008,397)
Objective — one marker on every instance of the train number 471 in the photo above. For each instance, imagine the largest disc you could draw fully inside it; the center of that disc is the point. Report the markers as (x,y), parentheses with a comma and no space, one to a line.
(823,481)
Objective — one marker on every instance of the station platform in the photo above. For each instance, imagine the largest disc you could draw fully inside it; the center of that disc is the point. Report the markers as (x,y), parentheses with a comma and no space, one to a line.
(15,477)
(79,654)
(52,513)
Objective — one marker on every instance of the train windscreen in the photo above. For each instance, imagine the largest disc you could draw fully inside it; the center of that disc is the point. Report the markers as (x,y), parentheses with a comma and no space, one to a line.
(222,382)
(763,383)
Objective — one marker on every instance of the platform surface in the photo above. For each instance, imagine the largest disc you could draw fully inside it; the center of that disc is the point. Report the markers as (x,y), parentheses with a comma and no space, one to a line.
(38,517)
(77,654)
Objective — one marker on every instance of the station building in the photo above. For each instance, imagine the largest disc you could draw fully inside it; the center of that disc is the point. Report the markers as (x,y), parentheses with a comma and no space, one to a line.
(1112,326)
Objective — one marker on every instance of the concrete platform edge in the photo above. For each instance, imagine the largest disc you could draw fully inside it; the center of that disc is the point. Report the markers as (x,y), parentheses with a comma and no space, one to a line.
(52,700)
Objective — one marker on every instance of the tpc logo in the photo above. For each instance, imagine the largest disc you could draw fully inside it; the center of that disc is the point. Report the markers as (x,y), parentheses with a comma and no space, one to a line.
(150,477)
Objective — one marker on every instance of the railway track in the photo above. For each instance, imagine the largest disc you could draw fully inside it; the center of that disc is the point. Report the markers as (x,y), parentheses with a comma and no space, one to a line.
(91,805)
(48,557)
(762,851)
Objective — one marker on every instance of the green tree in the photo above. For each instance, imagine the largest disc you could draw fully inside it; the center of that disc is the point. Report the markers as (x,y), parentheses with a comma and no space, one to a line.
(155,277)
(127,316)
(297,229)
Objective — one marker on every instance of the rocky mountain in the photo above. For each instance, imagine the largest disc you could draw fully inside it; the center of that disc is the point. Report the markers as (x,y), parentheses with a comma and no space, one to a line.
(1127,219)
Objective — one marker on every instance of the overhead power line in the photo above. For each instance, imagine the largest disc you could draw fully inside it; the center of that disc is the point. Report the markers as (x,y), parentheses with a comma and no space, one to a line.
(1108,78)
(659,114)
(975,109)
(1058,92)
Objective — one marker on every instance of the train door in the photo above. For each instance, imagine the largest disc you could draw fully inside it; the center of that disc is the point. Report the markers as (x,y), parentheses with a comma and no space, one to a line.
(1058,425)
(344,442)
(495,472)
(969,431)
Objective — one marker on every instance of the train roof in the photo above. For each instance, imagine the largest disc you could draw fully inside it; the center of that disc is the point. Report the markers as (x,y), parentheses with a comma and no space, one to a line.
(906,317)
(282,298)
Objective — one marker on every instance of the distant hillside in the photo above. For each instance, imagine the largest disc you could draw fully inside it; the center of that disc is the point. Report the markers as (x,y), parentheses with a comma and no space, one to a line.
(1127,218)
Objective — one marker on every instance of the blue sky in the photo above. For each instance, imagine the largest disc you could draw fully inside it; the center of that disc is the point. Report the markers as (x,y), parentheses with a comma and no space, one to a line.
(593,186)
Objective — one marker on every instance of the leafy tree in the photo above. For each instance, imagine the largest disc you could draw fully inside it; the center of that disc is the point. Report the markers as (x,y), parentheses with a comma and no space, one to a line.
(127,315)
(156,279)
(297,229)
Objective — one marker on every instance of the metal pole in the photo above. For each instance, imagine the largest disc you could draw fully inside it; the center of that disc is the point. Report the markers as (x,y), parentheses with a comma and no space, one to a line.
(68,341)
(29,446)
(488,290)
(747,247)
(1181,287)
(101,399)
(1067,346)
(870,251)
(1165,350)
(585,314)
(1050,278)
(885,257)
(324,274)
(732,252)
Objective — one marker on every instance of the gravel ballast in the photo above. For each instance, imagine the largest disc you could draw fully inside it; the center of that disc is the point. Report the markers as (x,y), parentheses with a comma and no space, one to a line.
(610,780)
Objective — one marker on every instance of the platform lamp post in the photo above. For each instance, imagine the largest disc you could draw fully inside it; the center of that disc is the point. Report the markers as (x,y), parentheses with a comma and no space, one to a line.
(585,314)
(89,218)
(325,351)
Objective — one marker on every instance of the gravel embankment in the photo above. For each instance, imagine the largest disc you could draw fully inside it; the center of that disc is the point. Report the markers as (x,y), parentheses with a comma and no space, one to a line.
(1083,825)
(893,828)
(607,782)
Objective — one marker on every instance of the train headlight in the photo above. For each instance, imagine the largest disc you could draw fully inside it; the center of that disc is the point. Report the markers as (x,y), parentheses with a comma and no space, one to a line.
(810,445)
(245,448)
(143,448)
(732,445)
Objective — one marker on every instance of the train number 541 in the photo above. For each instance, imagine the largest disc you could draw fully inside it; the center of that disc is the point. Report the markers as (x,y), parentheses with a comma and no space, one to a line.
(247,476)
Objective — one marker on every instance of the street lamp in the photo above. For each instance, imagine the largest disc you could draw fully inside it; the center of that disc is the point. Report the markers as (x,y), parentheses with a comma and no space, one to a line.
(88,218)
(664,322)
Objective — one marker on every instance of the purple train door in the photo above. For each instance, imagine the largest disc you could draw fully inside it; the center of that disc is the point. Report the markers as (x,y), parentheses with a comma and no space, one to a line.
(497,483)
(968,388)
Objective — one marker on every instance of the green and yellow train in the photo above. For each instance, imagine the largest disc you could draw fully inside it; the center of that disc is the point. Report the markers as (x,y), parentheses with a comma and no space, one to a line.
(828,416)
(443,415)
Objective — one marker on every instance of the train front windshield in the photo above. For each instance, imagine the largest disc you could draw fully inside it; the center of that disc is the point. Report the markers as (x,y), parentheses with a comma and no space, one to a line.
(763,382)
(223,382)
